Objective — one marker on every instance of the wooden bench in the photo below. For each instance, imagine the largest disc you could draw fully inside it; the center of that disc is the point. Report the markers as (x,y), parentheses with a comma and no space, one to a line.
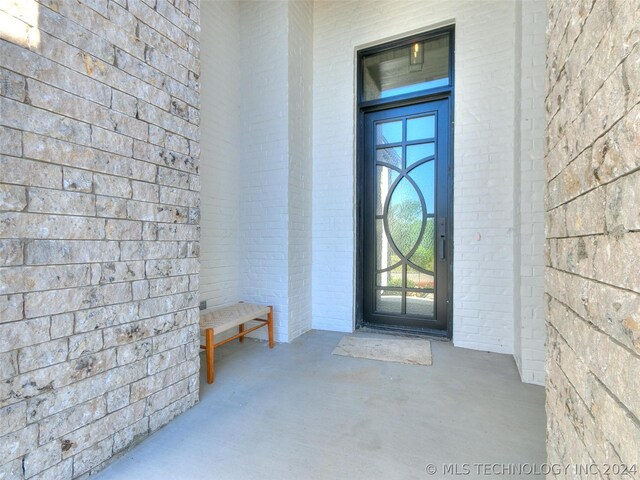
(215,321)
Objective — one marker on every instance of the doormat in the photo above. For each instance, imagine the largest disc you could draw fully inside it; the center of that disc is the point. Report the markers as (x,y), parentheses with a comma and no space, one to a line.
(412,351)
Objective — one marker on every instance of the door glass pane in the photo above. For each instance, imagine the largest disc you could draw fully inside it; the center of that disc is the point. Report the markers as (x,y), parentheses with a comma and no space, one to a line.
(385,256)
(424,256)
(392,156)
(404,216)
(421,127)
(389,132)
(406,69)
(420,303)
(386,177)
(388,301)
(418,279)
(390,278)
(424,176)
(417,153)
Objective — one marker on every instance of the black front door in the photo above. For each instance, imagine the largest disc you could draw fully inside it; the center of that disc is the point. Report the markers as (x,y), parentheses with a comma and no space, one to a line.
(406,178)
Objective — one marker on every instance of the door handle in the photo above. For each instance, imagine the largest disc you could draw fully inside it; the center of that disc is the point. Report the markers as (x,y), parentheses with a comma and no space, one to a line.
(442,237)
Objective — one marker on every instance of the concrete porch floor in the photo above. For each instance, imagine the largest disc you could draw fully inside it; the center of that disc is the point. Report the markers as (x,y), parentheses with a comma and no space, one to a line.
(298,412)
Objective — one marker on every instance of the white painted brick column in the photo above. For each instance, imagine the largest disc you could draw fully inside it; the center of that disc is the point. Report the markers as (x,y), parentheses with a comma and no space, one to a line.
(257,159)
(531,332)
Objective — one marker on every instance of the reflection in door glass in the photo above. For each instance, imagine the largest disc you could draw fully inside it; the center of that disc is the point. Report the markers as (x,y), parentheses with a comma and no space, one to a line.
(418,279)
(405,246)
(424,176)
(420,303)
(388,301)
(386,177)
(389,132)
(421,128)
(404,216)
(417,153)
(392,156)
(424,256)
(385,256)
(390,278)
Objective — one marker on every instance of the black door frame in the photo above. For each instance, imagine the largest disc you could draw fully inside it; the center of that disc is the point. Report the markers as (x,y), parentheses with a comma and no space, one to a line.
(364,107)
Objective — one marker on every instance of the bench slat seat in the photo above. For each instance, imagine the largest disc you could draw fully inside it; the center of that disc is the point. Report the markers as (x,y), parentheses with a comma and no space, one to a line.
(225,318)
(218,320)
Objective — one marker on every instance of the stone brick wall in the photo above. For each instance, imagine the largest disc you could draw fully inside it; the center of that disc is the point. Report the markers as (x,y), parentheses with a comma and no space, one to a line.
(593,232)
(99,235)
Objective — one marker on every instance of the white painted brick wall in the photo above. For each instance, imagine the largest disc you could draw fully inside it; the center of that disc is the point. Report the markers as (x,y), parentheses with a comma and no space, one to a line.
(300,52)
(484,158)
(517,151)
(220,158)
(258,158)
(273,186)
(264,150)
(532,235)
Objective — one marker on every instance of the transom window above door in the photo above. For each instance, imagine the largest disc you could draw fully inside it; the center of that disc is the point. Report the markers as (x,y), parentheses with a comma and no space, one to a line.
(412,67)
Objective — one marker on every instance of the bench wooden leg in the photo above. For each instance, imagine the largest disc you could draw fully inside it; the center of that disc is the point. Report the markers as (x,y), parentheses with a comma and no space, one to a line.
(209,354)
(270,326)
(240,330)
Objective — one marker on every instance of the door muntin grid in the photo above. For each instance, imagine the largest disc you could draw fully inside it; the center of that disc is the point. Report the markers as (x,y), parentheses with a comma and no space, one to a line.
(405,266)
